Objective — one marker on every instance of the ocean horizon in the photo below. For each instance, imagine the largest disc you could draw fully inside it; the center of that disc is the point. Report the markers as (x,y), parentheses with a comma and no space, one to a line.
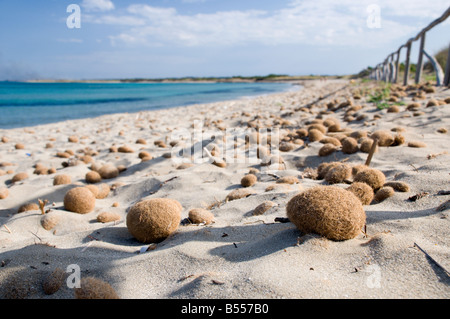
(25,104)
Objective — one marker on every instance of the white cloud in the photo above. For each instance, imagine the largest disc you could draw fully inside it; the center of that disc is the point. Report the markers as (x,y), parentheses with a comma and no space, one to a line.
(318,22)
(97,5)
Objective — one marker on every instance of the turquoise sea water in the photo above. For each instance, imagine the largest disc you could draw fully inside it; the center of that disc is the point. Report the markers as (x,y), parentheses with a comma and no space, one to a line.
(29,104)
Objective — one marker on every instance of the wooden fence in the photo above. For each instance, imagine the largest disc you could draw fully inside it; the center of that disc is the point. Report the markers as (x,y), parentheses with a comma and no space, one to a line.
(388,70)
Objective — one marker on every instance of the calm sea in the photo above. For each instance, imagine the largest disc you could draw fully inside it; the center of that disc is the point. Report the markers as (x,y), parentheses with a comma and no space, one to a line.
(29,104)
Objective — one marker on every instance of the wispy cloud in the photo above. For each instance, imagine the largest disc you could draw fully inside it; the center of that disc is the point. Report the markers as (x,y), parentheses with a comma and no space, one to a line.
(97,5)
(318,22)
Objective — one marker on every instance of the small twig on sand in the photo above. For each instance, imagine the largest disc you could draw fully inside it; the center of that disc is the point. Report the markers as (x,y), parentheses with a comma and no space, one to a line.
(426,254)
(42,205)
(9,230)
(372,151)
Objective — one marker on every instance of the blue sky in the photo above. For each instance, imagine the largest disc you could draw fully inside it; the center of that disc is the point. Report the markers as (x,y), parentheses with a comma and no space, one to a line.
(176,38)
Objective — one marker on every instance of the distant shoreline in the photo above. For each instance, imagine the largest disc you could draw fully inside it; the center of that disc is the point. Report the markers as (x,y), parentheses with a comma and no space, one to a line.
(256,79)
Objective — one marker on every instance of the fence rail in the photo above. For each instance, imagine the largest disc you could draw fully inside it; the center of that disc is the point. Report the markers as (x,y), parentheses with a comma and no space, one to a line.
(388,70)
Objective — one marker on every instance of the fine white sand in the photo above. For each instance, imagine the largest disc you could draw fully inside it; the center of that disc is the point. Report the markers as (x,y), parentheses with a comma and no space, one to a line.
(240,255)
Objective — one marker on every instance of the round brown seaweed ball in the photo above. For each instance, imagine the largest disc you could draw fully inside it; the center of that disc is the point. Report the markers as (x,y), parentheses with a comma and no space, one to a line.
(200,216)
(263,207)
(315,135)
(320,127)
(249,180)
(366,145)
(328,211)
(49,221)
(363,191)
(27,207)
(108,171)
(372,177)
(323,169)
(19,177)
(385,138)
(398,186)
(106,217)
(349,145)
(93,288)
(239,193)
(4,192)
(327,149)
(93,177)
(54,281)
(417,144)
(154,220)
(339,173)
(384,193)
(79,200)
(62,179)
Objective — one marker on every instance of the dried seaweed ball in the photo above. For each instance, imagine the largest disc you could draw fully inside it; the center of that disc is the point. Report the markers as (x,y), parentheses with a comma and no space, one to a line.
(145,155)
(323,169)
(399,139)
(366,145)
(125,149)
(93,177)
(19,146)
(384,193)
(263,207)
(385,138)
(19,177)
(4,192)
(363,191)
(327,149)
(320,127)
(54,281)
(27,207)
(185,165)
(239,193)
(339,173)
(94,288)
(249,180)
(349,145)
(73,139)
(331,140)
(154,220)
(358,168)
(108,171)
(49,221)
(432,102)
(393,109)
(79,200)
(372,177)
(106,217)
(398,186)
(329,211)
(417,144)
(201,216)
(315,135)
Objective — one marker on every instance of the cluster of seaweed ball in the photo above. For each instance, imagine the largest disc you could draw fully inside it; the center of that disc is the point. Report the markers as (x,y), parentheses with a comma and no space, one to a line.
(368,184)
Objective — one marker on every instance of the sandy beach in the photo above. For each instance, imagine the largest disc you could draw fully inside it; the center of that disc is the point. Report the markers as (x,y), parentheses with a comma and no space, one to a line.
(198,155)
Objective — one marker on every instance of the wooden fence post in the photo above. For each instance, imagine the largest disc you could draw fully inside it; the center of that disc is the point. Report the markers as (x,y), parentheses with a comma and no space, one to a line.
(447,69)
(419,67)
(397,66)
(408,53)
(437,68)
